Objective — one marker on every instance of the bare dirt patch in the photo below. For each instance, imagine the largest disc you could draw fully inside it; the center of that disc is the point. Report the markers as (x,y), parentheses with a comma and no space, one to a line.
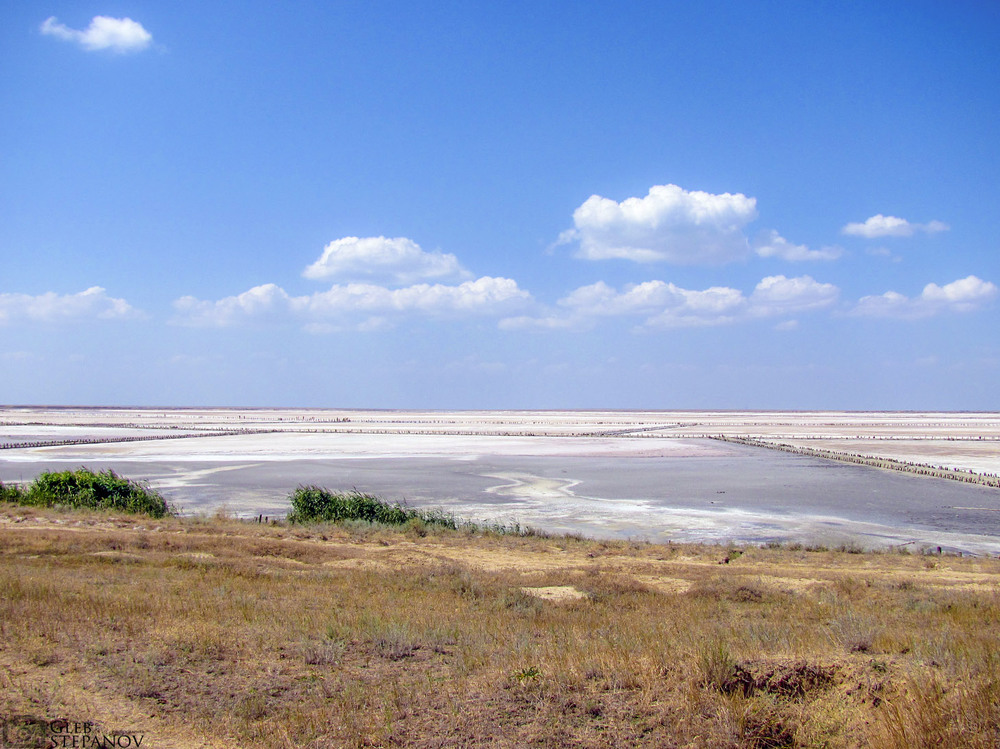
(556,593)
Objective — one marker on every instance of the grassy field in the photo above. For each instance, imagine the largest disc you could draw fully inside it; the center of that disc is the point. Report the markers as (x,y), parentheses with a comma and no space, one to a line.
(186,632)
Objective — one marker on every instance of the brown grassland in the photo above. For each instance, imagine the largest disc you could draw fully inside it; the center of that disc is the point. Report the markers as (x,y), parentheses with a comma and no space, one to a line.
(220,633)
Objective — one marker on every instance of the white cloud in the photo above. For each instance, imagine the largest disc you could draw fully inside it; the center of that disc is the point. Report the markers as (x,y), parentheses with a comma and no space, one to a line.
(397,261)
(669,225)
(889,304)
(116,34)
(357,305)
(601,299)
(718,305)
(266,302)
(92,304)
(485,295)
(964,295)
(663,304)
(772,244)
(776,295)
(891,226)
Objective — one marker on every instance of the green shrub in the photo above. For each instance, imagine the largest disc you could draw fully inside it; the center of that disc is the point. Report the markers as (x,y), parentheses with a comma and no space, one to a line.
(312,504)
(13,494)
(97,491)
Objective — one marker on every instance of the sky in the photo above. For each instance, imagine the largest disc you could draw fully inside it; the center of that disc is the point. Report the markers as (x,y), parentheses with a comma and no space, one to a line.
(460,205)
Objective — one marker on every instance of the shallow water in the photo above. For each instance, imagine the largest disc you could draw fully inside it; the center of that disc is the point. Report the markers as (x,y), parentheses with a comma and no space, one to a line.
(709,492)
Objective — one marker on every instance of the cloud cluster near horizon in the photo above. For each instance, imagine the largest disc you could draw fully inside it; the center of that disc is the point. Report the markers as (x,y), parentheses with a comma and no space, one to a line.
(380,282)
(964,295)
(92,304)
(357,306)
(666,305)
(399,263)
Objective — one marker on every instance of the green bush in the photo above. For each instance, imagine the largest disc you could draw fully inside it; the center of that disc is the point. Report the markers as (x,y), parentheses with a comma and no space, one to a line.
(13,494)
(312,504)
(97,491)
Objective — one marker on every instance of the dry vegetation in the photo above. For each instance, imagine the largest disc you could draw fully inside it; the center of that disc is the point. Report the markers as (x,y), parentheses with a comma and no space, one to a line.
(216,632)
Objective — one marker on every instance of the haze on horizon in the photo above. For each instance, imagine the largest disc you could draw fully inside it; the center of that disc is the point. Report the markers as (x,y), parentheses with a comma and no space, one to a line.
(463,205)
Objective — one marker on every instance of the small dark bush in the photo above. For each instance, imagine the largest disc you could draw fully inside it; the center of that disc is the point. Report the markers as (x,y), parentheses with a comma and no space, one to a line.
(105,490)
(312,504)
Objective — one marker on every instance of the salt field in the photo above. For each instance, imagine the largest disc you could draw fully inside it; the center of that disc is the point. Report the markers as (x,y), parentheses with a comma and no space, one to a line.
(647,476)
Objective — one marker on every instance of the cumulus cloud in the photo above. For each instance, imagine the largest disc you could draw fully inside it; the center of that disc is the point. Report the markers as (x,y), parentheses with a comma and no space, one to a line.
(665,305)
(669,225)
(120,35)
(486,295)
(772,244)
(357,305)
(601,299)
(265,302)
(398,261)
(891,226)
(777,295)
(718,305)
(92,304)
(964,295)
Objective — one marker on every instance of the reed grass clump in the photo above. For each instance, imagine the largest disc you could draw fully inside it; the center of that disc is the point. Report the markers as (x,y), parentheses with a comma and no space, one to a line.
(314,504)
(85,489)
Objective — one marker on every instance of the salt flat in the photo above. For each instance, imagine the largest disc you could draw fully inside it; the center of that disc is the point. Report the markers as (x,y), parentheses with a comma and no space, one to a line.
(649,474)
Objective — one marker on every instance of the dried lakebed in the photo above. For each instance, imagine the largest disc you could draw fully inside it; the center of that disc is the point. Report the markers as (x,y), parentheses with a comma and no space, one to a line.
(653,488)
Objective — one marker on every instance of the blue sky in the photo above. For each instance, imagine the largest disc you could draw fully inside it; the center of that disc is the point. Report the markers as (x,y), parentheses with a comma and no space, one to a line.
(501,205)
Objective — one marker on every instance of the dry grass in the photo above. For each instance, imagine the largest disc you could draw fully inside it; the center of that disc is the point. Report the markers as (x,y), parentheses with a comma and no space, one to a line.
(222,633)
